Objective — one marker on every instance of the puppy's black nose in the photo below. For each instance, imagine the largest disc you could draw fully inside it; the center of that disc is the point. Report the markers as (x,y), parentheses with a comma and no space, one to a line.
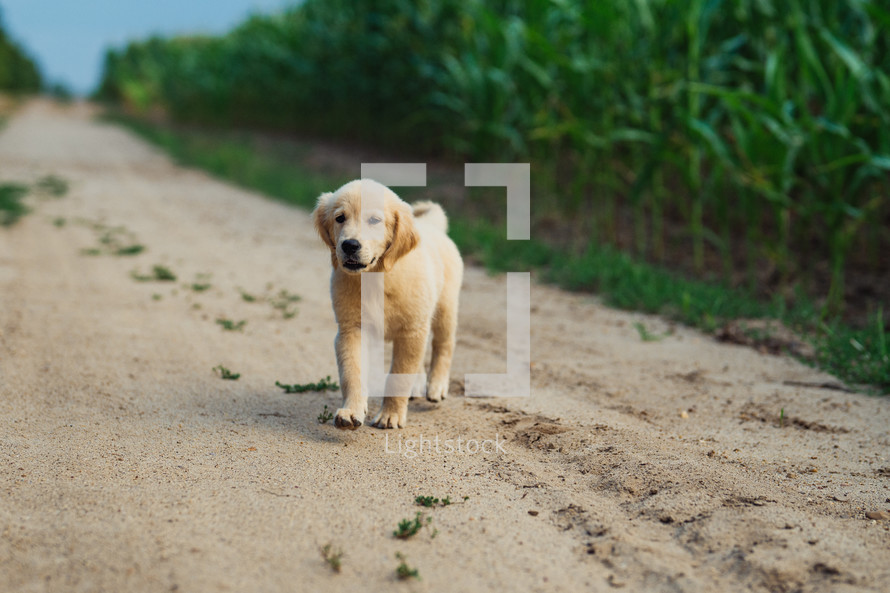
(350,246)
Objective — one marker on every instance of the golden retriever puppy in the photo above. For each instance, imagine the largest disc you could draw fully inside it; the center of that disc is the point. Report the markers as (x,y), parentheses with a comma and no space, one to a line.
(368,228)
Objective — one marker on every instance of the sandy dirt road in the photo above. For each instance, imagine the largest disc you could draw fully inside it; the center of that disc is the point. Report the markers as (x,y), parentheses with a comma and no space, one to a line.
(127,464)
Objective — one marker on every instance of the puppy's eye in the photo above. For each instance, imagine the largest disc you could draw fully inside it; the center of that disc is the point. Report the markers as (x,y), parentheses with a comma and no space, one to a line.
(374,220)
(341,219)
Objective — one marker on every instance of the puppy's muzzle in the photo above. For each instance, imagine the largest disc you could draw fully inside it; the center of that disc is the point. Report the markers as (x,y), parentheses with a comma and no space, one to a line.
(350,248)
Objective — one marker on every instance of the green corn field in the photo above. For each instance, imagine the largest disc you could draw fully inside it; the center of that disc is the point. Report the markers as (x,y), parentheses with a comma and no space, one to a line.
(750,136)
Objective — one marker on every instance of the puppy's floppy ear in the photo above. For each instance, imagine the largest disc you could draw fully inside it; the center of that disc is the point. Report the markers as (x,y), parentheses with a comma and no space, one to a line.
(322,219)
(404,236)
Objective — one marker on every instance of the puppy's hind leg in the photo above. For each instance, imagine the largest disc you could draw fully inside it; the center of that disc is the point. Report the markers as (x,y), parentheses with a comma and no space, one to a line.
(418,390)
(355,401)
(444,336)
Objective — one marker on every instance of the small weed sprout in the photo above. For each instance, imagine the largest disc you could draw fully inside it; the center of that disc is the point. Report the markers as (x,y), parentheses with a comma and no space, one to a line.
(229,325)
(112,240)
(158,274)
(324,385)
(782,417)
(333,556)
(283,301)
(201,283)
(325,416)
(403,571)
(426,501)
(430,501)
(52,185)
(646,335)
(11,207)
(163,274)
(226,374)
(130,250)
(408,528)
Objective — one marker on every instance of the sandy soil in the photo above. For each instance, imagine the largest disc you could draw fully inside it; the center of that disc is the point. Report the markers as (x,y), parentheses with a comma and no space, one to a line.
(127,464)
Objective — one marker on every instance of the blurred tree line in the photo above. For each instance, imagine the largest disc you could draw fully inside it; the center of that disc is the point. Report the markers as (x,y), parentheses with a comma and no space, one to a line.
(18,72)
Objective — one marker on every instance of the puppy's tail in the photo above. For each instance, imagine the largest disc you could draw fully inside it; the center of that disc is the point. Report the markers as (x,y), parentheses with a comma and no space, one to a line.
(432,214)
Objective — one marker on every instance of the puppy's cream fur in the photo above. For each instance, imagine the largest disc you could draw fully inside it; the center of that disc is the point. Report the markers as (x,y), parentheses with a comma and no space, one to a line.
(423,272)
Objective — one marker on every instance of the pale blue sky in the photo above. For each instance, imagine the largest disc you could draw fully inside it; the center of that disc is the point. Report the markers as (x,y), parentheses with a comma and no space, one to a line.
(68,38)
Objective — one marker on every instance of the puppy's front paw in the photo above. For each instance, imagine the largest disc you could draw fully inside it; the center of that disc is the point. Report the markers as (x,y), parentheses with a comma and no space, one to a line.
(437,391)
(390,418)
(346,418)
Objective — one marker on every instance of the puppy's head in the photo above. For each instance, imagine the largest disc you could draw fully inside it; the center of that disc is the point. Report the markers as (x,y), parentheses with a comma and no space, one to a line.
(366,226)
